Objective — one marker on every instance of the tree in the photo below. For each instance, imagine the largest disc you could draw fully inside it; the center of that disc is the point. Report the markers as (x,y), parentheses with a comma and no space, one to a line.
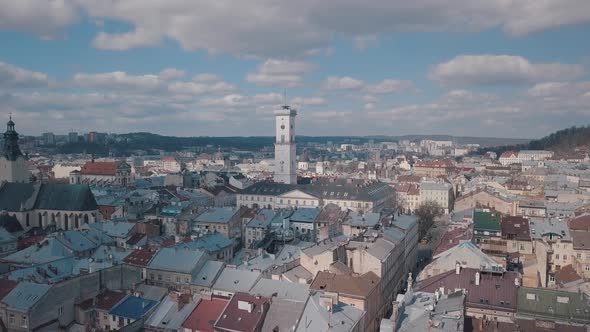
(426,213)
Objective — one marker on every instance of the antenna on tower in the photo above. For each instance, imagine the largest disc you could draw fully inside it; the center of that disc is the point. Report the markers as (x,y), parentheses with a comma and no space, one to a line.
(285,96)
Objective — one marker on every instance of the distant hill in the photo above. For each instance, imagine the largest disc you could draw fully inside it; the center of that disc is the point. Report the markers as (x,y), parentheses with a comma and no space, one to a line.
(126,143)
(562,141)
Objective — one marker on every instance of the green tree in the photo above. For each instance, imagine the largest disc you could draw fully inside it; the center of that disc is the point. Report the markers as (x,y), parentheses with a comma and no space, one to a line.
(426,213)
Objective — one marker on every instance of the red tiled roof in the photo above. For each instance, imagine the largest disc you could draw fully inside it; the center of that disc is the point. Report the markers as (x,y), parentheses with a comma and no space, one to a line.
(566,274)
(515,226)
(494,290)
(99,168)
(453,238)
(508,154)
(205,314)
(236,319)
(581,222)
(140,257)
(6,286)
(106,211)
(135,238)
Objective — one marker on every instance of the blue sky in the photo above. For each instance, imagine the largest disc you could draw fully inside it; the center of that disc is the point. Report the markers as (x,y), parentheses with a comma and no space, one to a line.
(379,67)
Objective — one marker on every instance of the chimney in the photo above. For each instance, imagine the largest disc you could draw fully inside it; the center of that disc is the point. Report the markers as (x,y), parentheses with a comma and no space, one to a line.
(457,268)
(477,277)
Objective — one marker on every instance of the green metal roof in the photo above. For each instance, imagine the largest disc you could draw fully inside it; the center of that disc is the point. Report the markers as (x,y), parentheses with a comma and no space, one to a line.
(553,304)
(486,221)
(47,196)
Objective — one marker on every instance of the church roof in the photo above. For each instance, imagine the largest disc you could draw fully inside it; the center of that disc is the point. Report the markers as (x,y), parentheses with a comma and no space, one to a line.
(108,168)
(47,196)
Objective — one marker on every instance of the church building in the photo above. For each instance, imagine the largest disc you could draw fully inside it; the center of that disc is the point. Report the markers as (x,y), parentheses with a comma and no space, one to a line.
(51,206)
(13,166)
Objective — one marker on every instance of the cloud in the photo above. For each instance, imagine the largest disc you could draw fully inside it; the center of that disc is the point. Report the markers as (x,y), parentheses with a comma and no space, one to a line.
(139,37)
(119,80)
(284,73)
(206,77)
(466,70)
(389,86)
(200,88)
(265,28)
(171,74)
(335,83)
(40,17)
(347,83)
(15,77)
(311,101)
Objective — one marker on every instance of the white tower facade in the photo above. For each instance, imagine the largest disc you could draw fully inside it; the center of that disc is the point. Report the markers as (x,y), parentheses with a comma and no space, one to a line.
(285,147)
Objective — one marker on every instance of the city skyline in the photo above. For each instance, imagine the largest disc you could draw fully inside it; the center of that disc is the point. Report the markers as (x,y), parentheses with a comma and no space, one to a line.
(386,68)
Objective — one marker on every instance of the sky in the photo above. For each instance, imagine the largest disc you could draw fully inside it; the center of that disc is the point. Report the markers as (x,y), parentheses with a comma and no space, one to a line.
(497,68)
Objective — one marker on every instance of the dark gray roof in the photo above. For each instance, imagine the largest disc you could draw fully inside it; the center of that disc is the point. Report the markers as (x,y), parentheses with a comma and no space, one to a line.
(71,197)
(268,189)
(346,189)
(48,196)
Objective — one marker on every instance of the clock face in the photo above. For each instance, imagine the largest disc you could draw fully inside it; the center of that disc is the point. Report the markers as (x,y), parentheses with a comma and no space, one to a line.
(283,126)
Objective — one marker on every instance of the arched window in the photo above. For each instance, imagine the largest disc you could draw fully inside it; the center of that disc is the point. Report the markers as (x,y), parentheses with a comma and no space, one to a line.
(53,218)
(66,220)
(77,222)
(40,220)
(28,222)
(85,218)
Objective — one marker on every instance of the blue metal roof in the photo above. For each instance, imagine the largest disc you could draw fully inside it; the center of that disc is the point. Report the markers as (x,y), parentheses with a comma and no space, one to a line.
(133,307)
(25,295)
(305,215)
(211,242)
(176,259)
(217,215)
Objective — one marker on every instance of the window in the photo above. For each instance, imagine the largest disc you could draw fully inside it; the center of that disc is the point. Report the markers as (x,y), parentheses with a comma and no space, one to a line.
(556,256)
(24,322)
(60,311)
(11,319)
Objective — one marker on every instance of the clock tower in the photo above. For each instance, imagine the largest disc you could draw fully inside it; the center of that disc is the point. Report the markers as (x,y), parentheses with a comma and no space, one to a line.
(285,155)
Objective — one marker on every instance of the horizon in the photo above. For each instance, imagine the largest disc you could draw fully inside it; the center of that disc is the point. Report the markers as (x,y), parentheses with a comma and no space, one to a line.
(404,68)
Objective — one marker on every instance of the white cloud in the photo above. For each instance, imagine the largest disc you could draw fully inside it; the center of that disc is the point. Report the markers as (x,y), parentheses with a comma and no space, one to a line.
(280,73)
(139,37)
(15,77)
(311,101)
(206,77)
(119,80)
(389,86)
(41,17)
(171,74)
(500,69)
(335,83)
(200,88)
(266,28)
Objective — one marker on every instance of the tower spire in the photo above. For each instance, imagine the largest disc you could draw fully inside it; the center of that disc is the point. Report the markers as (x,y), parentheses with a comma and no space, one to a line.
(285,96)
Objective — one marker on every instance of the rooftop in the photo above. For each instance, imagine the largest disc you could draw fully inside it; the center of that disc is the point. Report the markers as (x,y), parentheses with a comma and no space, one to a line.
(244,312)
(176,260)
(205,314)
(360,286)
(219,215)
(133,307)
(25,295)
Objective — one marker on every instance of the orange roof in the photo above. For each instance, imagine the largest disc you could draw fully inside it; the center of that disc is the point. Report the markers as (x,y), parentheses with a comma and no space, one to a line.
(508,154)
(99,168)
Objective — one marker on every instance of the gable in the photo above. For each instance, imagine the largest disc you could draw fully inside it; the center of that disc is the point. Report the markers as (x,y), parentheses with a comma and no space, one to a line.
(297,194)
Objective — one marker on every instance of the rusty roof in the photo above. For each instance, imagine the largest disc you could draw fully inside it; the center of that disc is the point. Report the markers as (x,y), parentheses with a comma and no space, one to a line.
(346,284)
